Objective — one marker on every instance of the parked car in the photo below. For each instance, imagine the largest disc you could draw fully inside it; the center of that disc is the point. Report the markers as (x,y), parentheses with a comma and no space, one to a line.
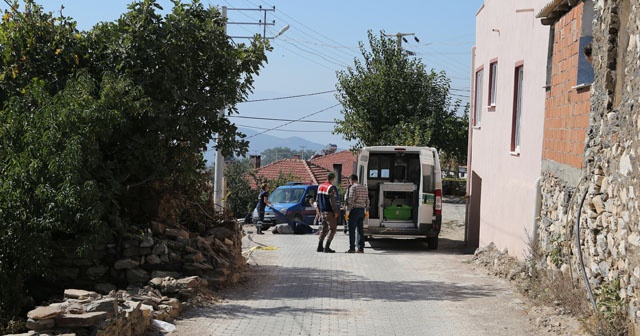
(295,201)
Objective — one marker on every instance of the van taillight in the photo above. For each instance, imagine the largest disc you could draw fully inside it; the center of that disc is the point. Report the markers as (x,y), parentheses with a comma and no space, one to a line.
(438,205)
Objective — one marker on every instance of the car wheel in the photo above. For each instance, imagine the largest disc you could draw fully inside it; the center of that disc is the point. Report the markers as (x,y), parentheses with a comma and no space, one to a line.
(297,219)
(432,242)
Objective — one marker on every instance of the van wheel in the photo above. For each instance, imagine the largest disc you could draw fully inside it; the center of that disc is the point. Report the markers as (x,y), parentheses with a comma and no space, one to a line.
(432,242)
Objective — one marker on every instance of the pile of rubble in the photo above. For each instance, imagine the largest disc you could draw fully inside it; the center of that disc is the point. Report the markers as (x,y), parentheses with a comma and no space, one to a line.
(123,312)
(500,263)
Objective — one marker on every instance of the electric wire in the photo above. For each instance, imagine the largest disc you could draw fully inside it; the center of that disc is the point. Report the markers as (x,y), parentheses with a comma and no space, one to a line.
(285,130)
(308,28)
(280,119)
(290,122)
(289,97)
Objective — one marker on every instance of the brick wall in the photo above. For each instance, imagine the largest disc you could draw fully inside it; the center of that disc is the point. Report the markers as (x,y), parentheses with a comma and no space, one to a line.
(566,109)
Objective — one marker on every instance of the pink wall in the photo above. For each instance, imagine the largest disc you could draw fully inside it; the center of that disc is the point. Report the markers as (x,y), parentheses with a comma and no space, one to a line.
(509,32)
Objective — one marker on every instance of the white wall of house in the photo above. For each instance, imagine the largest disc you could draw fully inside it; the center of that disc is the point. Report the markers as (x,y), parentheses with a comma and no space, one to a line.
(507,32)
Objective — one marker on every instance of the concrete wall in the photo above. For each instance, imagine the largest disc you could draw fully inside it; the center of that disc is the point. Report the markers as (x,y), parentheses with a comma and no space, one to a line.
(504,208)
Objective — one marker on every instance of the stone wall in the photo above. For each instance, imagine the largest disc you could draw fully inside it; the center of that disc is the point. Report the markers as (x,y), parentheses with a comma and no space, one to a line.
(610,235)
(213,253)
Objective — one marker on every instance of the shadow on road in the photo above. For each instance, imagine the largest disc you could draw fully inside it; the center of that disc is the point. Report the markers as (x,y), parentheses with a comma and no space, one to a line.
(412,245)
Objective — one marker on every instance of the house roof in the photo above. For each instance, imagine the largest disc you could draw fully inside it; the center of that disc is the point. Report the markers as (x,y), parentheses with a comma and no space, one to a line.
(555,10)
(314,171)
(345,158)
(302,171)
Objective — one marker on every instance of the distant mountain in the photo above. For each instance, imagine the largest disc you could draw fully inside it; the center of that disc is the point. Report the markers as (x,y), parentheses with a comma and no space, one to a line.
(265,141)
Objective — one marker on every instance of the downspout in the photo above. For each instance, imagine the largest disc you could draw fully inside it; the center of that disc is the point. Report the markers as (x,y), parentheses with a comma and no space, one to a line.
(536,210)
(470,146)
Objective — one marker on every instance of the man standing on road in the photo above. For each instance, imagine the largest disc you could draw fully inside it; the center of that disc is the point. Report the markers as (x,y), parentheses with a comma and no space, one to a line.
(357,205)
(329,212)
(263,201)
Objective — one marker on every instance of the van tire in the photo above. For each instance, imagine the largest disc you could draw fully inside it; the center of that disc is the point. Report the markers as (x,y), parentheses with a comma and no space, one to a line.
(432,242)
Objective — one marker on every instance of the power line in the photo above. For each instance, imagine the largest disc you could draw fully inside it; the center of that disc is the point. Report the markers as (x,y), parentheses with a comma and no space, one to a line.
(297,120)
(311,29)
(289,97)
(284,130)
(290,120)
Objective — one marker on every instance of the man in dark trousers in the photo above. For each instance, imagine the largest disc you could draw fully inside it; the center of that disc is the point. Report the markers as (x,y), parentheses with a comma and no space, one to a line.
(263,201)
(357,206)
(329,212)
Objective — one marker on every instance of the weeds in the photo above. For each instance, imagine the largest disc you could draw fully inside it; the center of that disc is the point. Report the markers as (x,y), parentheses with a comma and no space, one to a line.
(551,288)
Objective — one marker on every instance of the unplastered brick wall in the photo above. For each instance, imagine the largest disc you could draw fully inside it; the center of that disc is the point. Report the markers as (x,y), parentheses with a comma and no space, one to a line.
(610,177)
(566,108)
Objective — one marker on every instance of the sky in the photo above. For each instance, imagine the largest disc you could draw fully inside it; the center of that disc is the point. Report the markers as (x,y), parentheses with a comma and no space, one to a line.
(322,38)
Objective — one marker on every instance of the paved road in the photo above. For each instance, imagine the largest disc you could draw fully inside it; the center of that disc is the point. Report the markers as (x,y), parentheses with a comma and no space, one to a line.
(396,287)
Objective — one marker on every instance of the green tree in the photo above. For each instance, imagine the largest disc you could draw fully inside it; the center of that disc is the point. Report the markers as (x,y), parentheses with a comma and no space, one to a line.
(241,197)
(389,98)
(97,125)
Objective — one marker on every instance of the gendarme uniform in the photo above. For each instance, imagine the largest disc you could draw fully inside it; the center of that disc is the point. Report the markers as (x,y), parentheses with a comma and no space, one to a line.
(327,195)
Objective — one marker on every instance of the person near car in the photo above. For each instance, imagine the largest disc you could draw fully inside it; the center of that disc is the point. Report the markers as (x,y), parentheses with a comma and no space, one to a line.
(357,205)
(329,212)
(263,201)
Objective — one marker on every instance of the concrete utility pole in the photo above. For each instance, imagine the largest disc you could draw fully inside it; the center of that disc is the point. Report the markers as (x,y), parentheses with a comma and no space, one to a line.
(400,37)
(218,174)
(303,148)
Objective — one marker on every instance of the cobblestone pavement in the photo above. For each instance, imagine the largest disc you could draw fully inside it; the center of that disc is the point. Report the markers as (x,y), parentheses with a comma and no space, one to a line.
(396,287)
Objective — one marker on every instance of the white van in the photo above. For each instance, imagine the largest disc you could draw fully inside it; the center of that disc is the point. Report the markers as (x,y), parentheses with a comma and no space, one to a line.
(405,191)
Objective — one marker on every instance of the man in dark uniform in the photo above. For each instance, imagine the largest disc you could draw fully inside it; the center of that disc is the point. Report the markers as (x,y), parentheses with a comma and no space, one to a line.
(329,212)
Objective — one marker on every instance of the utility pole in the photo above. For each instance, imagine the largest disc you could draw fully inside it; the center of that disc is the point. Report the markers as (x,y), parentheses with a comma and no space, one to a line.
(302,148)
(400,37)
(218,184)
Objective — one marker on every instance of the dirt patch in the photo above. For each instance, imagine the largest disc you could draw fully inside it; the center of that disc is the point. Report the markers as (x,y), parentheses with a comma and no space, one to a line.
(547,311)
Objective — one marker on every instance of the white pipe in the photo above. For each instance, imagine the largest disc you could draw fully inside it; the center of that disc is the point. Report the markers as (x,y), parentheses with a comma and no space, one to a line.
(536,209)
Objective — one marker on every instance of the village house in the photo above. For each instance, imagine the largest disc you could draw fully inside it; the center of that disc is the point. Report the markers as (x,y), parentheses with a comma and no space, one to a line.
(312,171)
(506,123)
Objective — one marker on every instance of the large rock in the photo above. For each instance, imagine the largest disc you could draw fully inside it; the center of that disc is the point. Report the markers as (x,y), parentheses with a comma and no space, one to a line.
(80,320)
(153,259)
(137,276)
(598,204)
(160,249)
(45,313)
(108,305)
(191,282)
(147,242)
(96,271)
(126,264)
(105,288)
(41,325)
(80,294)
(175,233)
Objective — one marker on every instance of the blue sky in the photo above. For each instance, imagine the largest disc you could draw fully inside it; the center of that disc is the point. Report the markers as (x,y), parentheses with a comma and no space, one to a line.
(323,38)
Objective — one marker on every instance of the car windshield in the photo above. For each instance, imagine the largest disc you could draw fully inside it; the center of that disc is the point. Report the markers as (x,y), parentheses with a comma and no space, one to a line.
(286,195)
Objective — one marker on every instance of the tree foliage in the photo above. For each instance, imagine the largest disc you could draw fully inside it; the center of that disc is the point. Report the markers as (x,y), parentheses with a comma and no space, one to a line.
(390,98)
(94,125)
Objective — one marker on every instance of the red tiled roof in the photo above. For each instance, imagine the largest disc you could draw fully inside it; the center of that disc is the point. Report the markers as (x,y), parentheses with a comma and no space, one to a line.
(345,158)
(314,171)
(302,171)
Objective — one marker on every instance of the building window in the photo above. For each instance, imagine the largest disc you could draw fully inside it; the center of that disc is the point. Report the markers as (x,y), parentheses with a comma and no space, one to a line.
(493,82)
(517,109)
(477,108)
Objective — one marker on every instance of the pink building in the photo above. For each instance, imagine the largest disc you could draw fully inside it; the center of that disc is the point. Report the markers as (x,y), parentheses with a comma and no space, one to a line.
(508,77)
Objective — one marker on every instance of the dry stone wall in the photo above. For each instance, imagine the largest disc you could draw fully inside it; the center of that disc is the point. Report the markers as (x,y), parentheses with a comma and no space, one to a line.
(610,217)
(214,254)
